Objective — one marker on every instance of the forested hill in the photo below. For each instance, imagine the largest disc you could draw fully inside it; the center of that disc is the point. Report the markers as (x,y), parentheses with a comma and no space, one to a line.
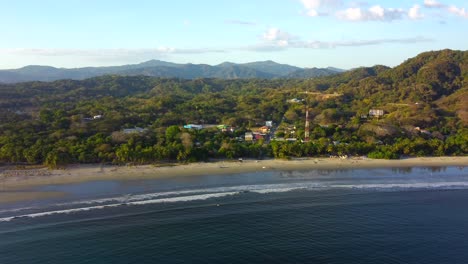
(156,68)
(437,78)
(423,103)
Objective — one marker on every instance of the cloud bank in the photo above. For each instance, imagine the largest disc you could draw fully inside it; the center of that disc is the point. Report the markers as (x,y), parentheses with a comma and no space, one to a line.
(358,11)
(374,13)
(274,39)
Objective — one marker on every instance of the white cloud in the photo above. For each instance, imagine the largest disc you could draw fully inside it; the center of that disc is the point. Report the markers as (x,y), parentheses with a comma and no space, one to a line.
(240,22)
(357,43)
(312,13)
(311,4)
(277,37)
(107,53)
(458,11)
(272,40)
(317,44)
(374,13)
(313,7)
(433,4)
(352,14)
(377,11)
(358,4)
(414,12)
(359,10)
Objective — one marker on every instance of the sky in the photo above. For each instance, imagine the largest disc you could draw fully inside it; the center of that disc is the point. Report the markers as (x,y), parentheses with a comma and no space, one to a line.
(304,33)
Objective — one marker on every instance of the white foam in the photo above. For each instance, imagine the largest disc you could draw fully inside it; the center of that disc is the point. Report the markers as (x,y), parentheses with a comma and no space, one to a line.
(67,211)
(208,193)
(153,201)
(262,188)
(418,185)
(184,198)
(279,190)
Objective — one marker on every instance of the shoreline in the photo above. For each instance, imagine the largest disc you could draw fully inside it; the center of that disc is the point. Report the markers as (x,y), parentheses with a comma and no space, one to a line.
(21,179)
(20,185)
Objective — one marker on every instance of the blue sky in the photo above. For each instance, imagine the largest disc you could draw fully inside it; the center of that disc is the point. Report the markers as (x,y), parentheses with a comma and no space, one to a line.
(306,33)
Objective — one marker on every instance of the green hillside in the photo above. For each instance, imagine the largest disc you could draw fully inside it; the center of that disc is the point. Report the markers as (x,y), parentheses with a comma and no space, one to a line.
(423,101)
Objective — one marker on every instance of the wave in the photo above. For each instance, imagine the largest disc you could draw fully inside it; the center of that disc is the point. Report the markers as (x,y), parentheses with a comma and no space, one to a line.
(217,192)
(419,185)
(263,188)
(153,201)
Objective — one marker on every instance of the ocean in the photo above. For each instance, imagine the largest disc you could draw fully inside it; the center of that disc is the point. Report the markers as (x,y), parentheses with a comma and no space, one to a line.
(399,215)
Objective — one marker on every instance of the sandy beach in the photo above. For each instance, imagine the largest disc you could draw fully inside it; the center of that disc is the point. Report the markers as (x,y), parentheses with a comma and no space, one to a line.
(14,181)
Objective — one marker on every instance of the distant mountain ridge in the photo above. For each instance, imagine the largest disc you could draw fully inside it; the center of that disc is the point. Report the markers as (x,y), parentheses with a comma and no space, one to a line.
(156,68)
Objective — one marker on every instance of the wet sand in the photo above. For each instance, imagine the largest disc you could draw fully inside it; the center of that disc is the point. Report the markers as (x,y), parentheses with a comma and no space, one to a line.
(13,182)
(11,197)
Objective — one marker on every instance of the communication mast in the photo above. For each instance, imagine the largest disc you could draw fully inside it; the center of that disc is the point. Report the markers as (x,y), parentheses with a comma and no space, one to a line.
(306,129)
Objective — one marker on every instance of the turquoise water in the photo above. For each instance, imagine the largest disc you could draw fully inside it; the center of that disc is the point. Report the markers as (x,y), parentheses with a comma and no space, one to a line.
(417,215)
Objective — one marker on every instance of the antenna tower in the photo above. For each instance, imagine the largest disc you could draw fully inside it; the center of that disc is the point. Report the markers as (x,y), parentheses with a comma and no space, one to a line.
(307,126)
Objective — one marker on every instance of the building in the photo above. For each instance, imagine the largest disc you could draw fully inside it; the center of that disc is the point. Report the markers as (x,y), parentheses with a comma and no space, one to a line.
(248,136)
(269,123)
(225,128)
(376,113)
(252,136)
(258,136)
(264,129)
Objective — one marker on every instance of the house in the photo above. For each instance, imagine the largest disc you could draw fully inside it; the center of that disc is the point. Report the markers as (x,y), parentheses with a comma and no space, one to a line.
(134,130)
(376,112)
(264,129)
(252,136)
(225,128)
(269,123)
(248,136)
(258,136)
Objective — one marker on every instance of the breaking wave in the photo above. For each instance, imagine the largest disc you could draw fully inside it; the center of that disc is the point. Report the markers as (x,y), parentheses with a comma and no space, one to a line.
(218,192)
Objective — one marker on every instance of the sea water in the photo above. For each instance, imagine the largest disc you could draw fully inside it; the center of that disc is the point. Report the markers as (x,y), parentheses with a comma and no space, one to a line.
(407,215)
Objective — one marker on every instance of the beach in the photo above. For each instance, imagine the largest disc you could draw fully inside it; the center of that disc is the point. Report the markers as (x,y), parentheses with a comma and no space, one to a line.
(15,182)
